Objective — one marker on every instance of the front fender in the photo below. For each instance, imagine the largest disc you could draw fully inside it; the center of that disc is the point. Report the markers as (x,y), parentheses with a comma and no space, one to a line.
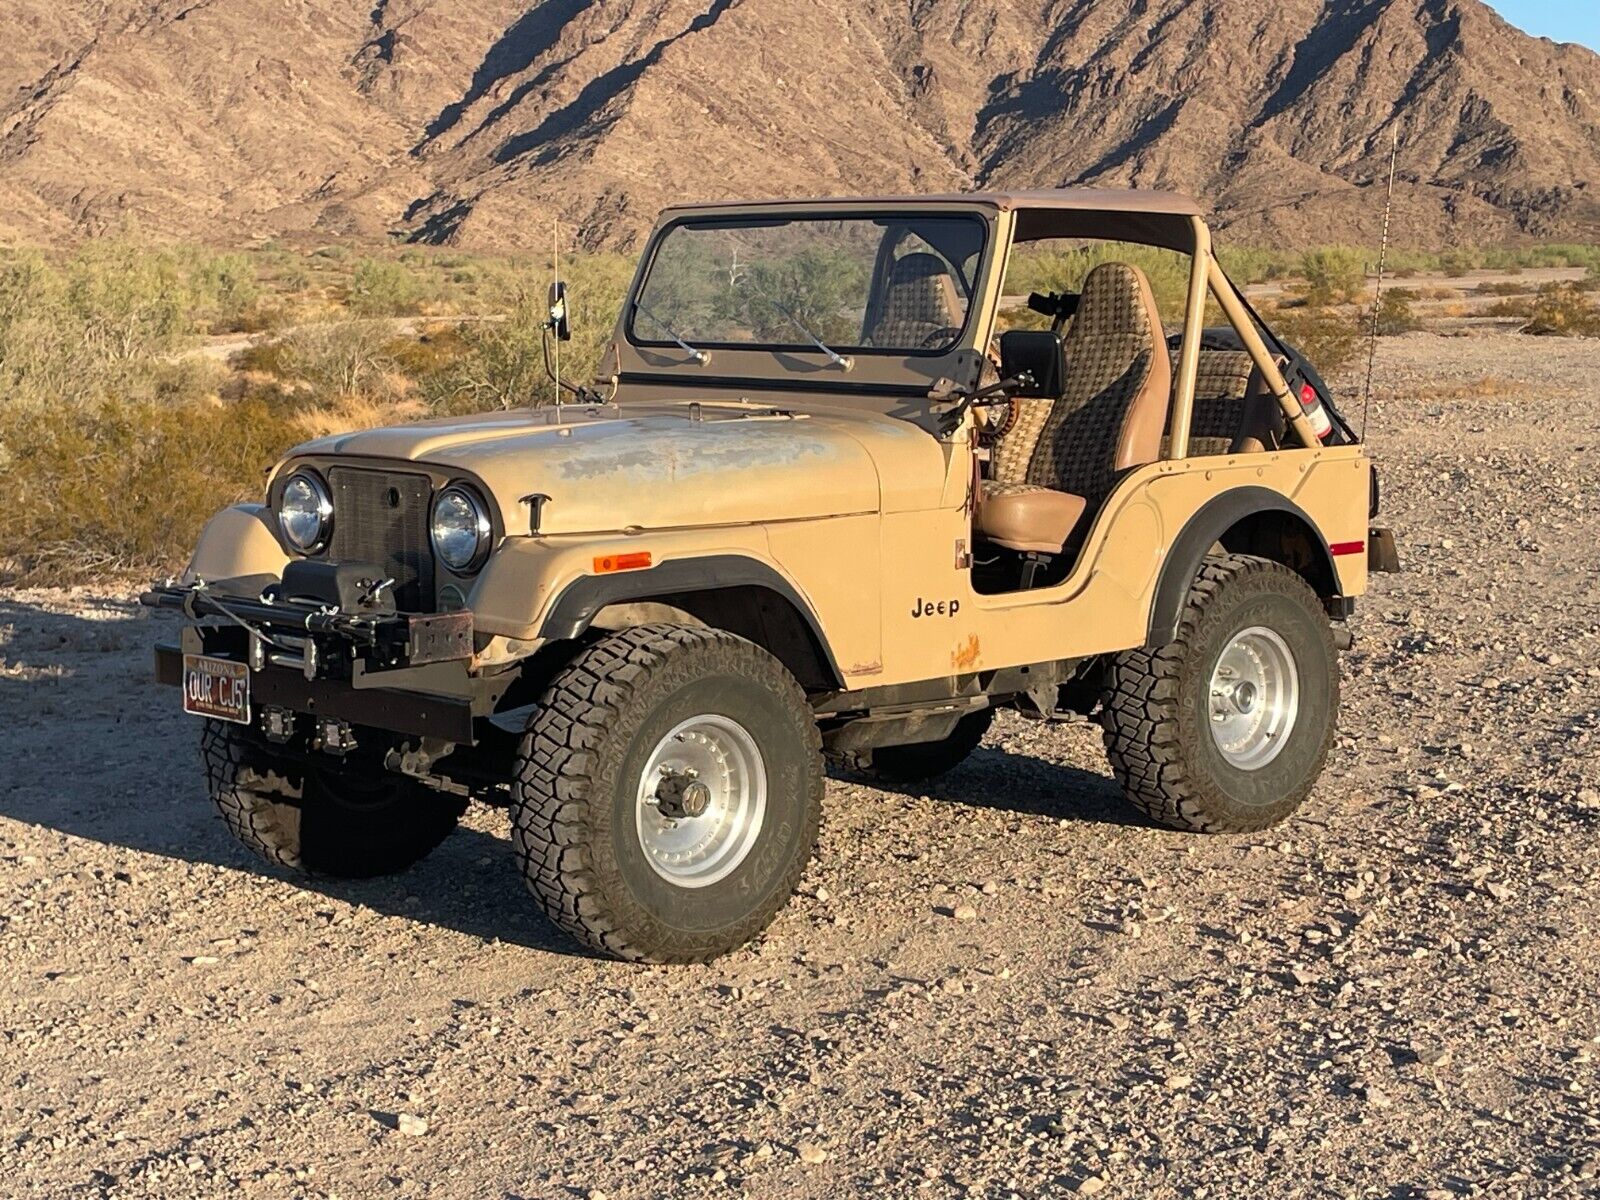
(238,541)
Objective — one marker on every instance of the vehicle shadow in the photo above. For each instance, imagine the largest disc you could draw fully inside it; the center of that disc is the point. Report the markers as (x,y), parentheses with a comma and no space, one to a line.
(1022,784)
(97,750)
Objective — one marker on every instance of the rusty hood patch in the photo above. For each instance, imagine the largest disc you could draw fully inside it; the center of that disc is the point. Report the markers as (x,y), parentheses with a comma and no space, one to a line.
(646,468)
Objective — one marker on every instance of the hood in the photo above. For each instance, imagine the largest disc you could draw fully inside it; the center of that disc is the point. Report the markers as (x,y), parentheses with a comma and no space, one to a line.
(660,467)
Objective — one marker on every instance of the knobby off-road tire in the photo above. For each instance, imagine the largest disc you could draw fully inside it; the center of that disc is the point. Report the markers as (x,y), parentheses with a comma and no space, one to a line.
(651,703)
(353,827)
(920,760)
(1246,621)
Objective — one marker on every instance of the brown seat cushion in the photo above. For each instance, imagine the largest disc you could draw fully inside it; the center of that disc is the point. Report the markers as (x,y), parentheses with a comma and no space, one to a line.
(1028,516)
(1057,457)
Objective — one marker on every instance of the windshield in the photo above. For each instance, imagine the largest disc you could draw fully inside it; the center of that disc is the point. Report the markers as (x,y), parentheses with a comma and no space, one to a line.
(817,285)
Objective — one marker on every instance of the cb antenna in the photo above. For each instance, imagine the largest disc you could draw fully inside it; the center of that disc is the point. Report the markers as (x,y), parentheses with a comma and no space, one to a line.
(1377,293)
(555,266)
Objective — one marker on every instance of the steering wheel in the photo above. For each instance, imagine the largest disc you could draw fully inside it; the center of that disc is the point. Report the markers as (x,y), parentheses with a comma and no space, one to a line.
(940,338)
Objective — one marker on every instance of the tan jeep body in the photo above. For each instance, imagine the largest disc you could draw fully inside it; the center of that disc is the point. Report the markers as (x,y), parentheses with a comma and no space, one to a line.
(674,594)
(848,498)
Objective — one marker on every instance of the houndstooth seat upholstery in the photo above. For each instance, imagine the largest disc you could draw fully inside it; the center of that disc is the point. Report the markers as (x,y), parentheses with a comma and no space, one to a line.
(1233,412)
(921,300)
(1061,457)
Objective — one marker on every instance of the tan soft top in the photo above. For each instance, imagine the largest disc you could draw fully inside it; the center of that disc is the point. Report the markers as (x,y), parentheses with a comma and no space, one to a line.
(1114,214)
(1129,200)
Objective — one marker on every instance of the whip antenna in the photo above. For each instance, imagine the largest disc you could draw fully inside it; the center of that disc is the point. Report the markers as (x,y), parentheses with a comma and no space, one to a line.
(555,266)
(1377,294)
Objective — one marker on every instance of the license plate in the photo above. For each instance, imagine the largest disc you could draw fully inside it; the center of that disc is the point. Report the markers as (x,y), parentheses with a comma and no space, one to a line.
(216,687)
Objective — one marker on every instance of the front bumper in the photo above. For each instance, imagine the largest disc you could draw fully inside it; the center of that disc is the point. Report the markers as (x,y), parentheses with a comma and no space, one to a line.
(402,673)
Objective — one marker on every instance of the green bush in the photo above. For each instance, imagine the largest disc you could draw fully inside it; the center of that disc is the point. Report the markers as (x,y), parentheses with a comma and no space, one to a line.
(501,364)
(1394,314)
(225,292)
(347,358)
(1329,339)
(125,485)
(1561,310)
(1333,274)
(381,288)
(1051,267)
(104,321)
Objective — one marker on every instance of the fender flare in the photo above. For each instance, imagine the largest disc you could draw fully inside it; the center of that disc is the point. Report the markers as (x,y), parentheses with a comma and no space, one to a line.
(581,600)
(1202,531)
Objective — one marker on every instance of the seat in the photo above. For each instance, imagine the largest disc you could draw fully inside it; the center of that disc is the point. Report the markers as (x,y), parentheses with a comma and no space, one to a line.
(1060,458)
(1234,413)
(920,301)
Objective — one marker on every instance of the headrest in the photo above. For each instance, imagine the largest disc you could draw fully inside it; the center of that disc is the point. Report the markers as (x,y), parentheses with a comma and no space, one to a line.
(1116,299)
(914,267)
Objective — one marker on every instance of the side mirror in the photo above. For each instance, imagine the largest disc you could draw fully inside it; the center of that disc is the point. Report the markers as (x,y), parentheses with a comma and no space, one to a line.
(558,322)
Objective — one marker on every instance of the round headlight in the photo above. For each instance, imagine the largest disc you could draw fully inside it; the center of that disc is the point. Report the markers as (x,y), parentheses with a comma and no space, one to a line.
(305,514)
(460,529)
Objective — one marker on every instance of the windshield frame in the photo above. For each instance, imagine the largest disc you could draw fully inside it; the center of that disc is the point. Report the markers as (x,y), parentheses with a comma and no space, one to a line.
(886,217)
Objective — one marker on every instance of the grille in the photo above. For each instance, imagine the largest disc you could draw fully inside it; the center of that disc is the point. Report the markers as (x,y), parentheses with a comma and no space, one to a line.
(382,517)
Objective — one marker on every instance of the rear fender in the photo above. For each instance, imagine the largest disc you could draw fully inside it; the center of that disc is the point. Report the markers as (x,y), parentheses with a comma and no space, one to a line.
(1238,519)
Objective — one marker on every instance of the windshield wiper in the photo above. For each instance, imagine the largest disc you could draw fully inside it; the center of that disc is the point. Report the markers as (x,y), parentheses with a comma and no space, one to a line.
(841,361)
(700,356)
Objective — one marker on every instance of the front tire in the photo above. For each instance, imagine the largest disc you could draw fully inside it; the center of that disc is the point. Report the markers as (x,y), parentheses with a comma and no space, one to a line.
(324,821)
(1227,727)
(668,794)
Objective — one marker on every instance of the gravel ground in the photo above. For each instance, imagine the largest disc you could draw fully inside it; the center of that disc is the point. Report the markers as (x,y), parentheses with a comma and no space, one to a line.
(1391,995)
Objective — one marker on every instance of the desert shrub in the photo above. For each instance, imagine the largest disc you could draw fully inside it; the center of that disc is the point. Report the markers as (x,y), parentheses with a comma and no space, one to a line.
(1329,339)
(1062,266)
(129,303)
(501,364)
(1253,264)
(1394,315)
(1591,279)
(224,291)
(382,288)
(345,358)
(1493,287)
(429,354)
(1456,263)
(125,485)
(1510,307)
(1560,310)
(1333,274)
(106,320)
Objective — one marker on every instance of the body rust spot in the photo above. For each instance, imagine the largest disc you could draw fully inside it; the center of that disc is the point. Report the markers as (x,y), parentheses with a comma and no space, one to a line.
(965,655)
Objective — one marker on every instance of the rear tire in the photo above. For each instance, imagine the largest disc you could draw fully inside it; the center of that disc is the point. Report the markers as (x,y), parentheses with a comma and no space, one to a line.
(330,824)
(1227,727)
(605,770)
(919,761)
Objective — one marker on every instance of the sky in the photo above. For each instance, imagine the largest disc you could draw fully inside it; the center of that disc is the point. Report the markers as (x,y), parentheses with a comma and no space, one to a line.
(1560,20)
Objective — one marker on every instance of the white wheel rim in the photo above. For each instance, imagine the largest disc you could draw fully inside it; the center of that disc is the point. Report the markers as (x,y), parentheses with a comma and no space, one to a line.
(1253,699)
(717,763)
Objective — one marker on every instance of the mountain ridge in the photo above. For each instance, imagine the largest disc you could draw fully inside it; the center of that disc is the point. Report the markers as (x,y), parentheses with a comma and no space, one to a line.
(442,121)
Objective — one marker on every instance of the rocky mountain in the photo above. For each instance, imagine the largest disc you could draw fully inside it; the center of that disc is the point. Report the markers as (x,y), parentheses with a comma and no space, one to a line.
(472,123)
